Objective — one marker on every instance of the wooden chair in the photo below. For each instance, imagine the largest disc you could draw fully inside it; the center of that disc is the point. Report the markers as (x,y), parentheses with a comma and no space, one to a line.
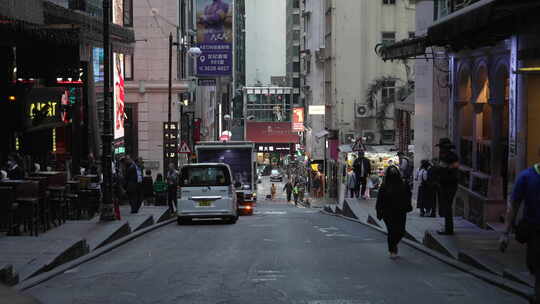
(57,199)
(28,211)
(45,215)
(7,210)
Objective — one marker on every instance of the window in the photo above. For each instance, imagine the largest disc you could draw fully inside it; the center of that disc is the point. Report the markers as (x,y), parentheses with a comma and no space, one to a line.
(389,90)
(128,13)
(388,1)
(128,67)
(411,35)
(205,176)
(296,67)
(388,38)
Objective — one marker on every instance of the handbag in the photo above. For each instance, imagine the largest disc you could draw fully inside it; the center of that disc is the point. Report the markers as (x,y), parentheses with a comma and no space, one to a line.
(524,231)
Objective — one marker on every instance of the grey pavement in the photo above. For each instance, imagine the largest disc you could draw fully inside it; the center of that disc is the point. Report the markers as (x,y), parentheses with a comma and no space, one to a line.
(282,254)
(470,244)
(27,256)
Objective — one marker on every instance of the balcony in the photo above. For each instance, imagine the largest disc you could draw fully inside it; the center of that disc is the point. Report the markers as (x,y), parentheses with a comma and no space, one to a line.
(444,8)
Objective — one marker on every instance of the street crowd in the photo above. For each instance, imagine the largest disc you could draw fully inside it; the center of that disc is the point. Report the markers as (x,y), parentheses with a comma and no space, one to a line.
(438,184)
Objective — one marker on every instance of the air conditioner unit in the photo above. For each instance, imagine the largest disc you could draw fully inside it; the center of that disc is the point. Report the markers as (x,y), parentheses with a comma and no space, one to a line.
(370,137)
(362,110)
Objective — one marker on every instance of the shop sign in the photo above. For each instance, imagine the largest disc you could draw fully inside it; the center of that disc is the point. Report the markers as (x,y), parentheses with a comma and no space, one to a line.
(271,132)
(43,105)
(298,120)
(214,37)
(316,110)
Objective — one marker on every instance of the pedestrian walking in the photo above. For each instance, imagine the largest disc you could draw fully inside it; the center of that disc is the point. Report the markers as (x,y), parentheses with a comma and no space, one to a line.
(172,184)
(406,167)
(273,190)
(362,169)
(527,192)
(426,192)
(393,204)
(351,183)
(288,188)
(446,177)
(160,190)
(133,180)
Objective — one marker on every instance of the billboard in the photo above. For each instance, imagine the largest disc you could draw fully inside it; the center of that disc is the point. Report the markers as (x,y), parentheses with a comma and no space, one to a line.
(97,64)
(119,95)
(298,120)
(271,132)
(215,37)
(118,12)
(237,159)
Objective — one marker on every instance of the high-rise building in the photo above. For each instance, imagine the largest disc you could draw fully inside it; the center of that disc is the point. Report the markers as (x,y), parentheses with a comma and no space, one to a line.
(294,30)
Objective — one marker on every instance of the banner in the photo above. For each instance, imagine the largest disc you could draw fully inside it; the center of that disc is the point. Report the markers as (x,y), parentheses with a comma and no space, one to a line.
(118,12)
(119,95)
(298,120)
(215,37)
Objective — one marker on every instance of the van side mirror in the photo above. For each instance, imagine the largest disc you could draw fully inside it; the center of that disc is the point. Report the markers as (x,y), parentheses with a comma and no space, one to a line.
(237,185)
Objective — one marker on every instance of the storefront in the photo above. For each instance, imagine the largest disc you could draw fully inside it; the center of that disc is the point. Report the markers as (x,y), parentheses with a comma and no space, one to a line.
(273,140)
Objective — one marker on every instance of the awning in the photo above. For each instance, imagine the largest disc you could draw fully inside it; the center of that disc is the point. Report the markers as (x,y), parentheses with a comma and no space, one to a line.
(404,49)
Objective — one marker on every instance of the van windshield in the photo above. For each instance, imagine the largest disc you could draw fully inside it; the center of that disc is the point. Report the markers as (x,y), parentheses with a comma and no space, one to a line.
(205,176)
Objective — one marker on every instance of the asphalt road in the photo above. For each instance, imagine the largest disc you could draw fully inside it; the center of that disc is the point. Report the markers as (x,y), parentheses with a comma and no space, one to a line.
(282,254)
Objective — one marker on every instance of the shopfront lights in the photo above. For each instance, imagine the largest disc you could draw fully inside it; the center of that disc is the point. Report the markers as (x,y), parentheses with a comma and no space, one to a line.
(12,98)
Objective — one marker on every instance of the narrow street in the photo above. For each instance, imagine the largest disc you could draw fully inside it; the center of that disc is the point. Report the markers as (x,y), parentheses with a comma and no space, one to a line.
(282,254)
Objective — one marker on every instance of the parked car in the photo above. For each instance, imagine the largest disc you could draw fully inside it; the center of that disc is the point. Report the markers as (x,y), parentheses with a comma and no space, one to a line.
(207,192)
(276,176)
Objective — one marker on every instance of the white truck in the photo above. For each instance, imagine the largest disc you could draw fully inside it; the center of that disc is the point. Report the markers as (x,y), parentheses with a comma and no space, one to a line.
(239,155)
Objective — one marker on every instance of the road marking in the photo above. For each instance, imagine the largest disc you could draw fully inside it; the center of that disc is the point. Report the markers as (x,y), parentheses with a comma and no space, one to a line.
(267,275)
(272,212)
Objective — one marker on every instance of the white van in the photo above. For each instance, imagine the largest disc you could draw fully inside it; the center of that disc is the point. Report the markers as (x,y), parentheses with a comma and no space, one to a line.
(206,191)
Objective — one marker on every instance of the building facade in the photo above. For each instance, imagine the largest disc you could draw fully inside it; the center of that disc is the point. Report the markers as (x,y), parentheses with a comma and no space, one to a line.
(55,111)
(293,38)
(147,89)
(493,104)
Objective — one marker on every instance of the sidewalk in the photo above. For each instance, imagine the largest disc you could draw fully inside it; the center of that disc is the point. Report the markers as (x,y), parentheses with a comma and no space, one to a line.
(470,244)
(23,257)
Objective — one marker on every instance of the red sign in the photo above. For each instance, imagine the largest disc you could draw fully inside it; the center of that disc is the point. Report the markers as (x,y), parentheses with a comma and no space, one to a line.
(298,120)
(271,132)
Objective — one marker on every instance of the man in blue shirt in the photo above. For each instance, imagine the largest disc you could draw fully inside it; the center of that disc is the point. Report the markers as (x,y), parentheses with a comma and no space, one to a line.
(527,190)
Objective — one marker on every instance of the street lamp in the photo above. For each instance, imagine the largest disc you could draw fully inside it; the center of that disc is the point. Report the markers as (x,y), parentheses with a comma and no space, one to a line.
(107,208)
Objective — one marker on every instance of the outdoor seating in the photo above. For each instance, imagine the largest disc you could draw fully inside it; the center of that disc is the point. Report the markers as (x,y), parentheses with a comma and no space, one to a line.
(59,205)
(7,209)
(45,214)
(27,197)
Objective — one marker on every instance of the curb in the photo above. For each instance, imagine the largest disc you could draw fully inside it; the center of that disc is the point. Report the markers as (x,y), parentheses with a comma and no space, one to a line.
(492,279)
(34,281)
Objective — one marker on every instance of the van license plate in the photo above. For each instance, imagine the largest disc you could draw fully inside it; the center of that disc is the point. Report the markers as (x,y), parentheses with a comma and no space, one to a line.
(205,203)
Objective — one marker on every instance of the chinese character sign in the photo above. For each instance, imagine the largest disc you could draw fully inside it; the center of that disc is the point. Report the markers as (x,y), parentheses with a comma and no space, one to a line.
(298,120)
(119,95)
(214,30)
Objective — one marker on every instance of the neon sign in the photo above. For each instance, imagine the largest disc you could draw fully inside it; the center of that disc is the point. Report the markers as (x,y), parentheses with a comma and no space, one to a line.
(48,108)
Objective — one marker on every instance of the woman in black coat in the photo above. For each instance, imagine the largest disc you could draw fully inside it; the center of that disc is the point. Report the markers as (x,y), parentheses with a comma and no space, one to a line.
(393,203)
